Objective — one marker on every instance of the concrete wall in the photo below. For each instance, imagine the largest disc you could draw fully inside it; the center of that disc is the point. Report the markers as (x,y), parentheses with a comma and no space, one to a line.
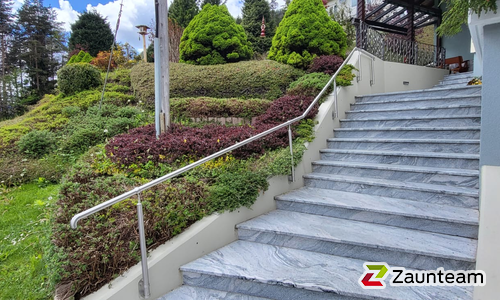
(459,44)
(489,234)
(490,102)
(218,230)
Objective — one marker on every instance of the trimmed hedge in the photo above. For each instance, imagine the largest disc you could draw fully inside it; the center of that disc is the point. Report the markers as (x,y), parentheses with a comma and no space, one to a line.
(213,107)
(77,77)
(252,79)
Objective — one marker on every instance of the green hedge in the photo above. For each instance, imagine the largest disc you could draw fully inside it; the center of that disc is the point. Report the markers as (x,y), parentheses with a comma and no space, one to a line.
(251,79)
(212,107)
(77,77)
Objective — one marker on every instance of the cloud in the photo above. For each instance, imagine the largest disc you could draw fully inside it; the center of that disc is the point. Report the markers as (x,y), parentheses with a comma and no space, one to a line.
(66,14)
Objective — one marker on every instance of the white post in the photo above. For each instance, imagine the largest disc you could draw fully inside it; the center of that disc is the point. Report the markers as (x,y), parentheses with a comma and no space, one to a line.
(164,45)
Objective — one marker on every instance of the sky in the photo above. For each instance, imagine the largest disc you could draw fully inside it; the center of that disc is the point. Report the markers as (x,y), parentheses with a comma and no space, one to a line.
(135,12)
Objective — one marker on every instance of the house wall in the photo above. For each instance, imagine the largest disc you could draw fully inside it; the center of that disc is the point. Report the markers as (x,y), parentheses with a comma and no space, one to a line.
(459,44)
(218,230)
(490,102)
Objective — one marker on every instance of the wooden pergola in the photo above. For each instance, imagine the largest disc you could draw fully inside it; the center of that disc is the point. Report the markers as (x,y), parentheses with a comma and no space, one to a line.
(400,16)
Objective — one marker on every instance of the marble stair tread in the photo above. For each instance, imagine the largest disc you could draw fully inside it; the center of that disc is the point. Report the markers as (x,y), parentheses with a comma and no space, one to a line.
(380,204)
(404,153)
(304,270)
(370,235)
(403,118)
(191,292)
(414,108)
(433,90)
(389,167)
(411,129)
(416,186)
(457,97)
(425,141)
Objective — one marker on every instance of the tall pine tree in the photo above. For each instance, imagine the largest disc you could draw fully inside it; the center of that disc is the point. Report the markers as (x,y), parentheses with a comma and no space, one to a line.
(35,38)
(253,11)
(183,11)
(6,21)
(91,31)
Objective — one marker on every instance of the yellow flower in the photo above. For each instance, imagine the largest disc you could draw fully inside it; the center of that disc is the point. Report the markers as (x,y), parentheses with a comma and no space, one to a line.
(184,140)
(218,140)
(161,156)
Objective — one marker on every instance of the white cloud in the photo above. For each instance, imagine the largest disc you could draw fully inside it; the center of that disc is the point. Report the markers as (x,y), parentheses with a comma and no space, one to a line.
(66,14)
(17,4)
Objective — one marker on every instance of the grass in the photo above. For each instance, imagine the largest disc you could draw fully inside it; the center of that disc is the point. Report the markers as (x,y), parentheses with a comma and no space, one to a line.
(25,242)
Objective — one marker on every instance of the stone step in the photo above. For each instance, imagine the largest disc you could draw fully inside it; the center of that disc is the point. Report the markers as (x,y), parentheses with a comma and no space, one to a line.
(403,213)
(284,273)
(417,103)
(445,121)
(361,240)
(454,83)
(429,193)
(434,92)
(414,145)
(431,175)
(190,292)
(410,132)
(458,75)
(423,159)
(451,110)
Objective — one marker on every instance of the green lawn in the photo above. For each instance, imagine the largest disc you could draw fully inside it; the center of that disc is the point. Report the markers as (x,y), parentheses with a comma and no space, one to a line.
(25,242)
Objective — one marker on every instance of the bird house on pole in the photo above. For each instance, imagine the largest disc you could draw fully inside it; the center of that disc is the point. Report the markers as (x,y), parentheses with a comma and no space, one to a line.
(143,30)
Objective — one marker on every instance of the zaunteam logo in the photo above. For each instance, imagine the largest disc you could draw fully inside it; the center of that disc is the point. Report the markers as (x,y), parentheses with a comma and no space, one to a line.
(376,272)
(374,275)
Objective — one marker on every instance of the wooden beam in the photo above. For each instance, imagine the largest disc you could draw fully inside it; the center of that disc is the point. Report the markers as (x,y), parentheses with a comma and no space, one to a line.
(376,10)
(387,27)
(393,7)
(431,11)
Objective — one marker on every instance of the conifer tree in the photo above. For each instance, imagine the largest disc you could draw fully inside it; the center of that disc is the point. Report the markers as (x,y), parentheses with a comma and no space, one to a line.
(92,31)
(305,32)
(6,22)
(183,11)
(253,11)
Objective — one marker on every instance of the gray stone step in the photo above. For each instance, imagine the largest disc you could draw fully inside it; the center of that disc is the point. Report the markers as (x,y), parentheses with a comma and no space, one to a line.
(430,193)
(445,121)
(424,145)
(434,92)
(363,104)
(424,159)
(458,75)
(403,213)
(361,240)
(190,293)
(410,132)
(451,110)
(284,273)
(438,176)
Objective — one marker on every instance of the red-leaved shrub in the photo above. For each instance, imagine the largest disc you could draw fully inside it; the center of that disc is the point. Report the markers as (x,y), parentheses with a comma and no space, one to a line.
(140,145)
(328,64)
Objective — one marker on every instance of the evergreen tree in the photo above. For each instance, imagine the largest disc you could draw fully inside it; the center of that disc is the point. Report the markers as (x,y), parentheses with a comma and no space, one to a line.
(6,21)
(37,41)
(213,37)
(305,32)
(253,11)
(91,31)
(212,2)
(183,11)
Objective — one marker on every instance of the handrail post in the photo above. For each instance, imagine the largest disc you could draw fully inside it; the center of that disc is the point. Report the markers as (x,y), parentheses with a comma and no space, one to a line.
(336,112)
(144,289)
(291,151)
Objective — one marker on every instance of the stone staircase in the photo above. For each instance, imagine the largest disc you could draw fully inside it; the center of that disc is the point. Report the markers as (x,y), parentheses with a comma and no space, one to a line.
(397,184)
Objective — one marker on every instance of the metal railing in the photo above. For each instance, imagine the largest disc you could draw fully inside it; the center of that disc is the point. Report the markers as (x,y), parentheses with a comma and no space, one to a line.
(144,288)
(389,47)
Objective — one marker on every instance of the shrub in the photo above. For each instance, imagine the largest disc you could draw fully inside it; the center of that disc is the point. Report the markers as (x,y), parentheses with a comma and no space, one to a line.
(78,77)
(212,107)
(37,143)
(305,32)
(213,37)
(346,76)
(328,64)
(101,61)
(252,79)
(310,85)
(70,111)
(81,57)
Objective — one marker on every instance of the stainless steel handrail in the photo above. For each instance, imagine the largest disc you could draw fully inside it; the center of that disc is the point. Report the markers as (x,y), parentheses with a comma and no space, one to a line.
(144,289)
